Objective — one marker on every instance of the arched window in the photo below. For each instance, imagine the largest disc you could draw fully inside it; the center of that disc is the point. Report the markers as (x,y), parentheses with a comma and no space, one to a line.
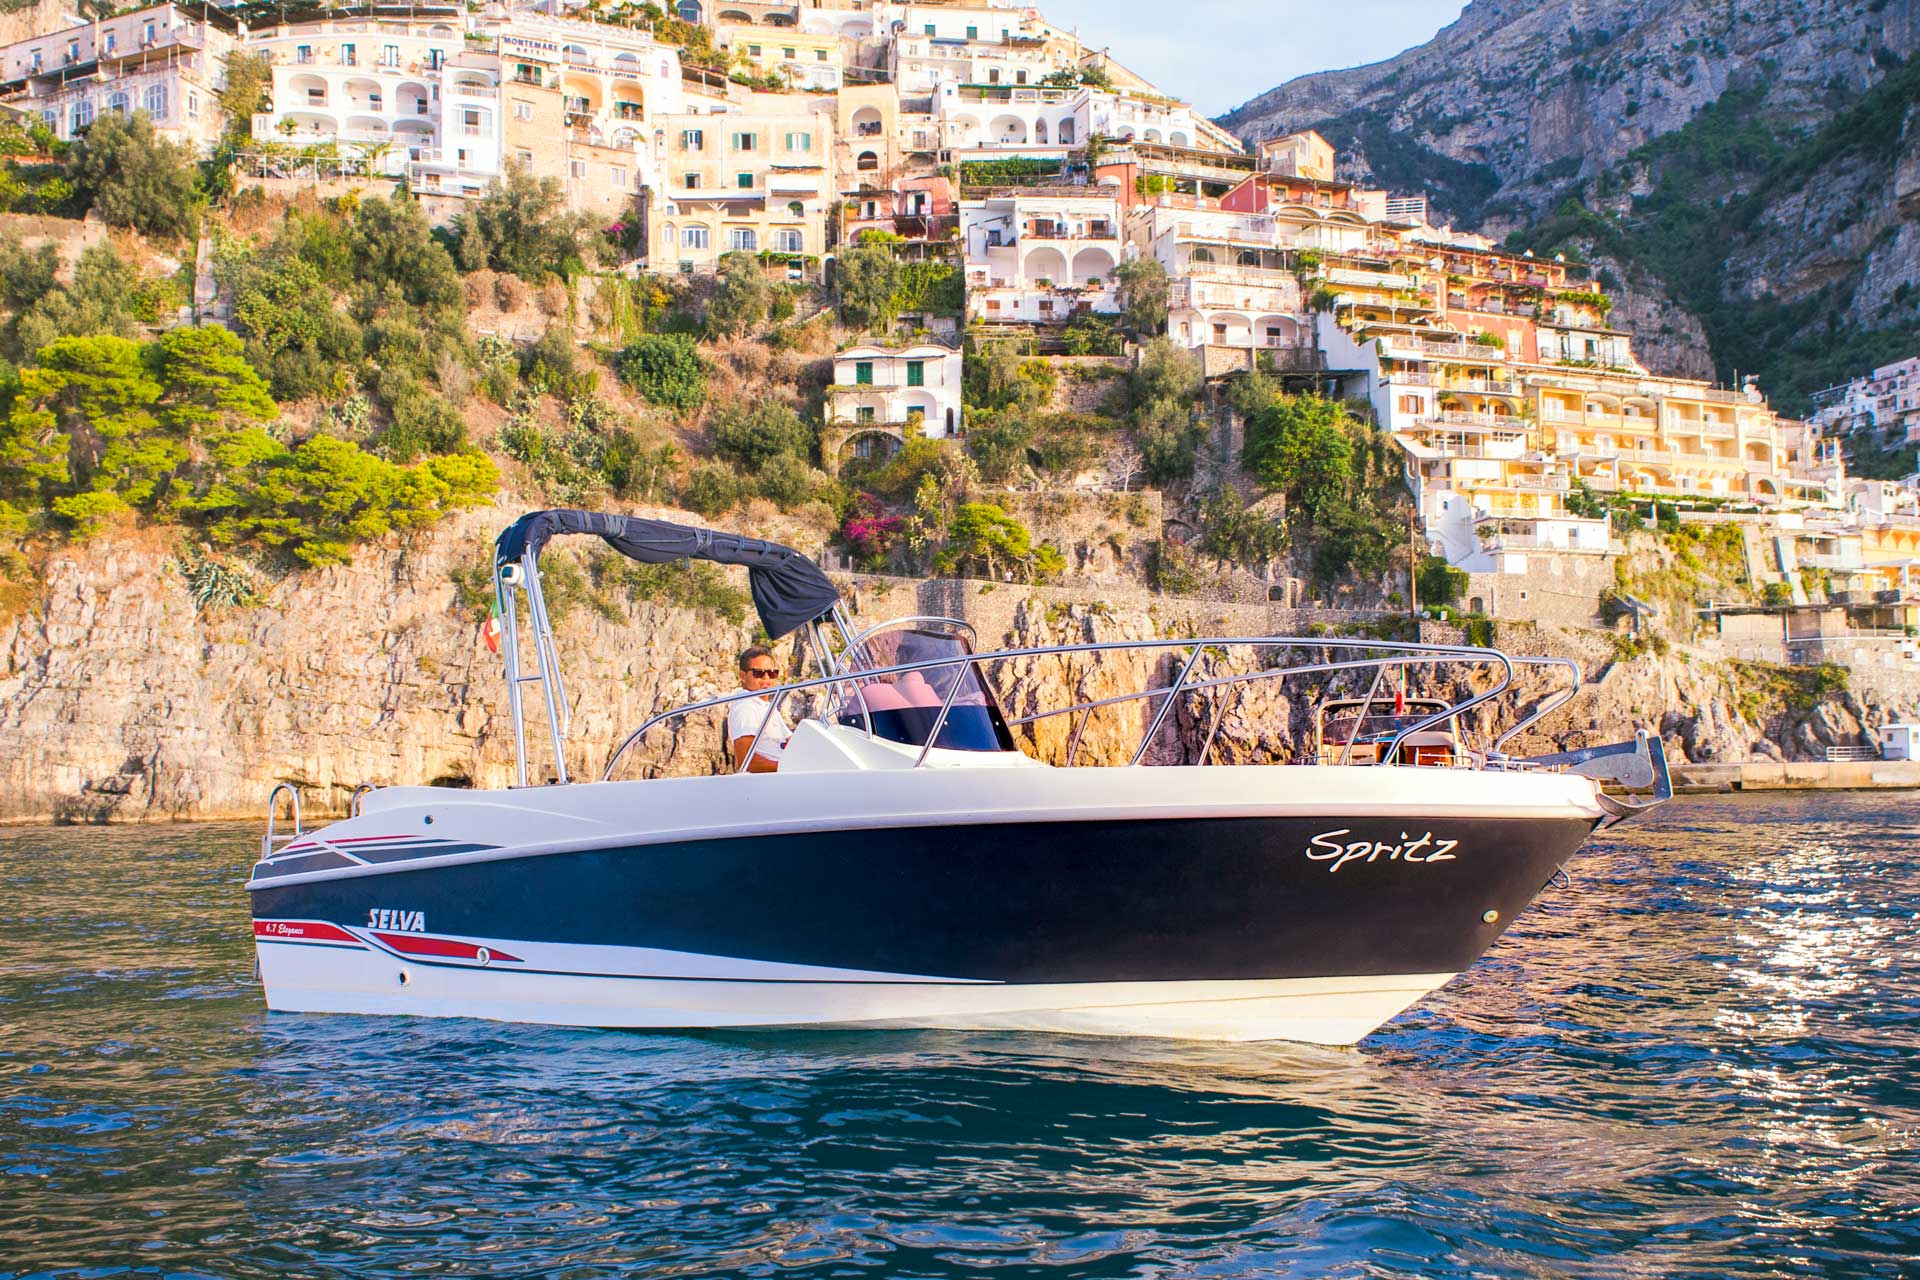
(157,101)
(742,240)
(689,11)
(797,209)
(867,161)
(1249,257)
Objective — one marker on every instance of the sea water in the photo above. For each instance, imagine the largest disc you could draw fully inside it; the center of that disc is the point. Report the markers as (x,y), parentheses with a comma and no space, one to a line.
(1700,1058)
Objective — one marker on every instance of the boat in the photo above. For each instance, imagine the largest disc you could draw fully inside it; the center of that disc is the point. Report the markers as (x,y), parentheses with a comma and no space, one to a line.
(934,853)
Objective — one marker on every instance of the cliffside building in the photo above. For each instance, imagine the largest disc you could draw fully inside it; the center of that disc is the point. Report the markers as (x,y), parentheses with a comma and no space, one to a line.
(1038,255)
(753,178)
(883,396)
(164,60)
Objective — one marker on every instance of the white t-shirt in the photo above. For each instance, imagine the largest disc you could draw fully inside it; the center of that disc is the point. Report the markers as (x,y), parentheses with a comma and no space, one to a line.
(743,721)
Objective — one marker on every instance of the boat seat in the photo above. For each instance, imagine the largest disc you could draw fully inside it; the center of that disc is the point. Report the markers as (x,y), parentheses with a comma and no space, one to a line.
(880,697)
(916,691)
(1428,738)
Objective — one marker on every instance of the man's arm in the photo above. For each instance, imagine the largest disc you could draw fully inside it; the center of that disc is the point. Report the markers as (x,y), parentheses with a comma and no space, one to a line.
(759,763)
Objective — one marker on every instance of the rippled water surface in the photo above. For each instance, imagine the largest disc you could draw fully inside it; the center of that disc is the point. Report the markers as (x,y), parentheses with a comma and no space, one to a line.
(1702,1059)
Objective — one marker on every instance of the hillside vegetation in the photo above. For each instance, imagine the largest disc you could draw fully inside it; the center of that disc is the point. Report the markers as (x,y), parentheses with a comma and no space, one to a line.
(1756,165)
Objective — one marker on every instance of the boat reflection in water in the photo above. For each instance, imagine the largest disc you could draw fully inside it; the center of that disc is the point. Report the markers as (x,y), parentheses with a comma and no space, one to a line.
(911,866)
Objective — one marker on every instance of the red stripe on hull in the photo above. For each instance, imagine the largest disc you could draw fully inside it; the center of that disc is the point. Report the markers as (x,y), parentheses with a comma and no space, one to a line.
(303,931)
(414,944)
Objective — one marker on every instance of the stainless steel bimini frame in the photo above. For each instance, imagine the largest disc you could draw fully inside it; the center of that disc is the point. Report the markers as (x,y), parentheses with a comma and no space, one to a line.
(848,662)
(516,582)
(1388,654)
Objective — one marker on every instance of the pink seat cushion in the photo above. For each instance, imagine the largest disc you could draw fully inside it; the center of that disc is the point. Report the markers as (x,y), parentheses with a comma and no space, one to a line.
(916,692)
(880,697)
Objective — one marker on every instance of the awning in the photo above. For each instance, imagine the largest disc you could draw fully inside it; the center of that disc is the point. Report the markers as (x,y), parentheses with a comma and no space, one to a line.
(789,590)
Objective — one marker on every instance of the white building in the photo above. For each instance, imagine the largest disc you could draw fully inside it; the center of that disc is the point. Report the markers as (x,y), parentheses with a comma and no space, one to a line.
(1234,285)
(411,91)
(905,391)
(1038,255)
(1887,400)
(166,61)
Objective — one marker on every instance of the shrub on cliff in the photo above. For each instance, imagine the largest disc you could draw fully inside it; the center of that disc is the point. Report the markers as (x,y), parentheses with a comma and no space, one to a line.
(1441,585)
(711,489)
(741,302)
(665,369)
(1144,291)
(132,177)
(983,540)
(752,436)
(316,501)
(521,225)
(103,423)
(867,287)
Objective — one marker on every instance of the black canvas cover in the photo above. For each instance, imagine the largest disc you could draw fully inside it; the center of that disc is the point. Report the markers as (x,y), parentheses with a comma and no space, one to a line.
(789,590)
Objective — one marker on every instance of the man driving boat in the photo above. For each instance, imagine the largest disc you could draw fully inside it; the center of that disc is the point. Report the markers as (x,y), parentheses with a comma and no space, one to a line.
(759,671)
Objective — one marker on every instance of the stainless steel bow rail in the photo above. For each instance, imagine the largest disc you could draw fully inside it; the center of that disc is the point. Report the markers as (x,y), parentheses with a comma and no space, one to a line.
(1385,655)
(846,662)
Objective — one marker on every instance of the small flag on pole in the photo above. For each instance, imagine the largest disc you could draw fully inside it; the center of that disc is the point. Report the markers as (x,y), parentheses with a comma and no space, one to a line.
(491,631)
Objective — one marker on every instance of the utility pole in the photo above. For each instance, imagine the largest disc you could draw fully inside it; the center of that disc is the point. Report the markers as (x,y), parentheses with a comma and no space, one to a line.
(1413,567)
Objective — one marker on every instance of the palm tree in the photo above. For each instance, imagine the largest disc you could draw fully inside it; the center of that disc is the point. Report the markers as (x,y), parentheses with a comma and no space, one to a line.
(372,156)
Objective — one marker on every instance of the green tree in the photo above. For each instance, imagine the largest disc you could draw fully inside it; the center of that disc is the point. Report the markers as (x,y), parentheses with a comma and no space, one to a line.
(750,436)
(521,226)
(997,379)
(711,489)
(665,369)
(1165,386)
(1144,293)
(741,302)
(316,502)
(983,537)
(96,397)
(1233,535)
(26,275)
(1091,335)
(390,245)
(998,445)
(97,302)
(247,92)
(1440,583)
(867,285)
(206,382)
(1300,445)
(784,479)
(297,336)
(134,178)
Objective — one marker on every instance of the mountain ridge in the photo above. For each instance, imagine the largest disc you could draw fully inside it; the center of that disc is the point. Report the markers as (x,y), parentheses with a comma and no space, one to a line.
(1591,128)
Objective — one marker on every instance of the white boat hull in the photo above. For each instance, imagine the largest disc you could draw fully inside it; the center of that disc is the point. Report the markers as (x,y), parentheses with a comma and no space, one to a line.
(1330,1011)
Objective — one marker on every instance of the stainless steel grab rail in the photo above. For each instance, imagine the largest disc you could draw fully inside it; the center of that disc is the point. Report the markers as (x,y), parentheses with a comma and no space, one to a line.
(1391,653)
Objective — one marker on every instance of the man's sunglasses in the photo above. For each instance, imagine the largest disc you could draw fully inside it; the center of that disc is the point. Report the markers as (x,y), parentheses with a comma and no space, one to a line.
(763,673)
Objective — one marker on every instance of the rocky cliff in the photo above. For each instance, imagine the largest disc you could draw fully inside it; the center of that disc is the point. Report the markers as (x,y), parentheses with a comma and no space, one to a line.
(1743,172)
(122,698)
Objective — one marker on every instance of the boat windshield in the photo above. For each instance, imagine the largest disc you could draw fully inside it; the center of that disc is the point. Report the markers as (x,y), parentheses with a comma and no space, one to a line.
(1350,726)
(904,707)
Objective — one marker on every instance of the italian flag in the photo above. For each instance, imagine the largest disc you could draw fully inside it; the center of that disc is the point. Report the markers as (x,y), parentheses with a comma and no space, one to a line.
(490,632)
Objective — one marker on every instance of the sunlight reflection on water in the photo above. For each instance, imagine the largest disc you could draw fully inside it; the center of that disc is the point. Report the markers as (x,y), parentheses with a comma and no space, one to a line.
(1698,1060)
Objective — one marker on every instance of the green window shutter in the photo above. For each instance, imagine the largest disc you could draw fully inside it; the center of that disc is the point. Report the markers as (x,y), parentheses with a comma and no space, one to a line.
(916,373)
(863,373)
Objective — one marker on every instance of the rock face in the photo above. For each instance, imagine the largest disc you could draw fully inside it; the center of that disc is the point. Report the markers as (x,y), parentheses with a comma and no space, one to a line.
(1525,85)
(120,700)
(1520,106)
